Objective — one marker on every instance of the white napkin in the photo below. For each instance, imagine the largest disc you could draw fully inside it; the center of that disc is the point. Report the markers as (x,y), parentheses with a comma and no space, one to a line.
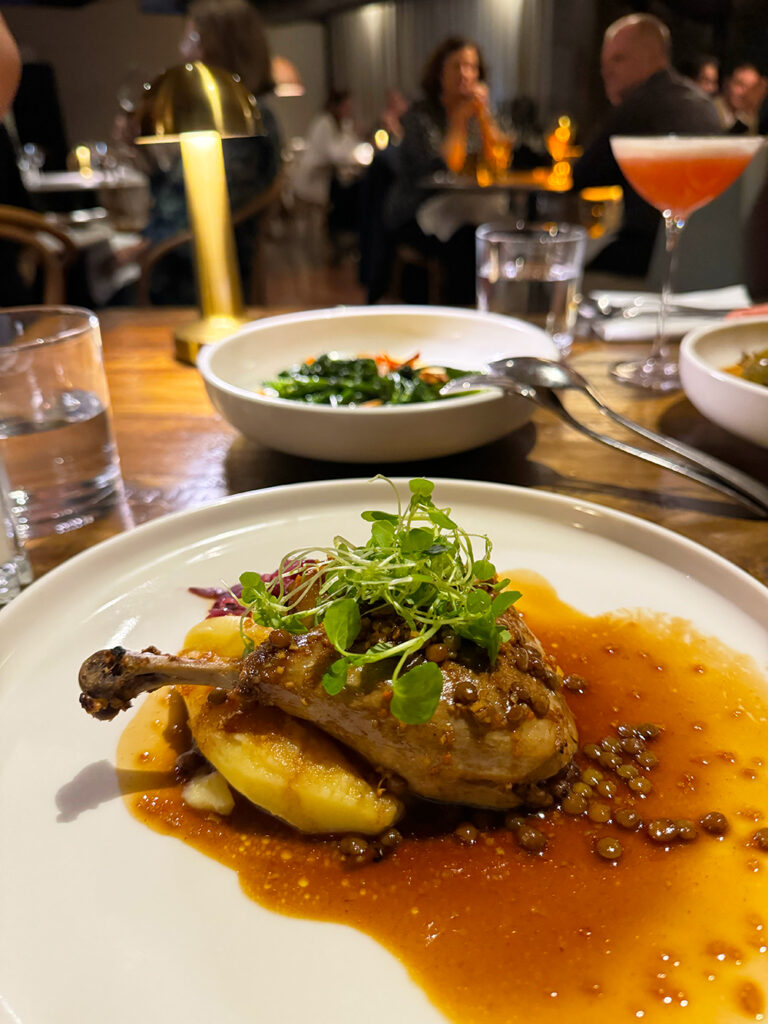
(443,214)
(643,326)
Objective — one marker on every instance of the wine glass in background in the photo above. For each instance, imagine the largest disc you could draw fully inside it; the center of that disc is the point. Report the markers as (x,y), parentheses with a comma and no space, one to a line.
(31,159)
(678,175)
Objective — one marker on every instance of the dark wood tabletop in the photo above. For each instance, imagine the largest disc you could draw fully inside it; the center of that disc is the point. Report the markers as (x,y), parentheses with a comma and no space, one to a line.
(178,453)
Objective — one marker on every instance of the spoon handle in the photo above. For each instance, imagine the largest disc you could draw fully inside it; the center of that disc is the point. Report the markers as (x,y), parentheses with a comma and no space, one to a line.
(741,482)
(698,467)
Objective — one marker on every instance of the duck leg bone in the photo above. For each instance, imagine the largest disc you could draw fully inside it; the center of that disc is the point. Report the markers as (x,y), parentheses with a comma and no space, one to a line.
(110,679)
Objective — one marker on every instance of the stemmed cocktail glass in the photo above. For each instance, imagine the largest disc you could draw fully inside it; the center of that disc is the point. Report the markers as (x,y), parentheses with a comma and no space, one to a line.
(678,175)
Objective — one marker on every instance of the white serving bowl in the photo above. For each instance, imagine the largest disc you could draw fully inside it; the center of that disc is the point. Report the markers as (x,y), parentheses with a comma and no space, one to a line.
(738,405)
(235,369)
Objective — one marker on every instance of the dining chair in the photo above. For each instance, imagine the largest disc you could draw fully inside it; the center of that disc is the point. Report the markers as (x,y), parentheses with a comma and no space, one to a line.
(42,246)
(255,287)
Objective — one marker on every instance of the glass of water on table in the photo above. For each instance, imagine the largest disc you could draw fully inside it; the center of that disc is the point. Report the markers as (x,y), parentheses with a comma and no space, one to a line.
(56,439)
(532,271)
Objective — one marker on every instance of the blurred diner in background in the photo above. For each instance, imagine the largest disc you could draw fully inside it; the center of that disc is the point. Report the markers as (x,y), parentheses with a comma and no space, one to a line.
(389,133)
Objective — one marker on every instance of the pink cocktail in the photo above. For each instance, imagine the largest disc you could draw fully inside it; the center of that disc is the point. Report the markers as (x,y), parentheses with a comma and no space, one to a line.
(678,175)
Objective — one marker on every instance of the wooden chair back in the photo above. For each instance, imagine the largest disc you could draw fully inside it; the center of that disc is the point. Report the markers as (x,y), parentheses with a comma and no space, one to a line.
(49,245)
(254,288)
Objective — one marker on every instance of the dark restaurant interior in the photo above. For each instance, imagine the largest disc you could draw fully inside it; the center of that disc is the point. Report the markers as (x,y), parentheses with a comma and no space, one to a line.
(383,511)
(84,62)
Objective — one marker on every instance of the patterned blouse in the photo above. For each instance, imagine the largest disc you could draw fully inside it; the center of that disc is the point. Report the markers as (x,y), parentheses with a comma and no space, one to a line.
(419,155)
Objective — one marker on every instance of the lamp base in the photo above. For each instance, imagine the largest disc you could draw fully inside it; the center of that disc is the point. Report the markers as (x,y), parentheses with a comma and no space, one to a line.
(191,337)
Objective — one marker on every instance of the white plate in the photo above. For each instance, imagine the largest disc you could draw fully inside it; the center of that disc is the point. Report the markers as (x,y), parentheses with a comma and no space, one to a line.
(103,921)
(737,405)
(234,371)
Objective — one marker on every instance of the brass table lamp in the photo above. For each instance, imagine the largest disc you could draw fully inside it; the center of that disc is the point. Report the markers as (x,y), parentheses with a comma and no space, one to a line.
(197,105)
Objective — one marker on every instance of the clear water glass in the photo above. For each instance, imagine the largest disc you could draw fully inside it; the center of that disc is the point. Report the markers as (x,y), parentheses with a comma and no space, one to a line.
(532,271)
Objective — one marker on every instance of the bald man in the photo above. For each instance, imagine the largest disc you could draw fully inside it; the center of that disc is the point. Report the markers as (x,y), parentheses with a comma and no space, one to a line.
(648,98)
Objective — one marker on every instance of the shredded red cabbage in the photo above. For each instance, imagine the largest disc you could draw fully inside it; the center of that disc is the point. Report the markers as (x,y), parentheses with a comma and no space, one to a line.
(225,599)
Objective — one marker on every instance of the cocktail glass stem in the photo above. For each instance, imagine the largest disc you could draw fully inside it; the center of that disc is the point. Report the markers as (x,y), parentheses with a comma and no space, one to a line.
(673,228)
(658,371)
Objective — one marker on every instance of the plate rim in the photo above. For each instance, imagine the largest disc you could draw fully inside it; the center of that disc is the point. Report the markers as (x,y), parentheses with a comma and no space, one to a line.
(689,349)
(589,513)
(156,539)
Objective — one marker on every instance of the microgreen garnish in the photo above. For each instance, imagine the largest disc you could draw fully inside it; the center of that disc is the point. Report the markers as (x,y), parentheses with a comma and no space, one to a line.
(417,564)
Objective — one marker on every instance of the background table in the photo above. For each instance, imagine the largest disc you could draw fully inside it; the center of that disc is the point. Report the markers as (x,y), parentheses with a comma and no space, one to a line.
(177,452)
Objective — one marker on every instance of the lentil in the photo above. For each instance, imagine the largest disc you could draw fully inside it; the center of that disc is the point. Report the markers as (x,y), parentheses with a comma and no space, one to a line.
(575,683)
(540,706)
(436,653)
(391,838)
(686,830)
(607,788)
(591,776)
(466,832)
(280,638)
(465,692)
(609,848)
(217,695)
(610,761)
(647,759)
(574,803)
(633,745)
(531,839)
(353,846)
(598,812)
(715,823)
(611,744)
(648,731)
(592,751)
(760,838)
(628,818)
(627,771)
(661,830)
(640,785)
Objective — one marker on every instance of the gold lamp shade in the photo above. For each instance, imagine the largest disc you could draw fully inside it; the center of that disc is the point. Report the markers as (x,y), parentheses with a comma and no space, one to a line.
(197,97)
(196,105)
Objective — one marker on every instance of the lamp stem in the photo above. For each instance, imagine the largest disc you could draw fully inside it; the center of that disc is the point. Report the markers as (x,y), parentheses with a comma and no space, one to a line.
(205,182)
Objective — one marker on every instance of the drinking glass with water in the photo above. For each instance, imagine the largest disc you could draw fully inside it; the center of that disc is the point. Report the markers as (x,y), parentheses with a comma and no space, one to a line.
(56,438)
(533,272)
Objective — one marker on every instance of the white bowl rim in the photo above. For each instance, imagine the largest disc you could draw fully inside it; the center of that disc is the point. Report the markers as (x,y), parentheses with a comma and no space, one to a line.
(489,394)
(689,350)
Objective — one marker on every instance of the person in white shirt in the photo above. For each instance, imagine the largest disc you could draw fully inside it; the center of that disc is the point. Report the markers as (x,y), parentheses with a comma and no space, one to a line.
(330,150)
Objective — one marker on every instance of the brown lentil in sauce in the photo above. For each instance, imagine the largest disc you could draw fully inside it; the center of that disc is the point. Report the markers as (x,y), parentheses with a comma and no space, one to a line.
(553,933)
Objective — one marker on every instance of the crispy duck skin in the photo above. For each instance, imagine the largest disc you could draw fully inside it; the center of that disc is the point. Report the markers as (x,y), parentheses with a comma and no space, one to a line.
(497,729)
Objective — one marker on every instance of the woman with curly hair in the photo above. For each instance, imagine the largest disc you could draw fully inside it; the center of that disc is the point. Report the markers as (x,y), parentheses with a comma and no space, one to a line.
(447,129)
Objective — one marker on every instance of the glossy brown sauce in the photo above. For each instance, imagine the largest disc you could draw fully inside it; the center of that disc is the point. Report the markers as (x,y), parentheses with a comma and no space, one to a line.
(496,935)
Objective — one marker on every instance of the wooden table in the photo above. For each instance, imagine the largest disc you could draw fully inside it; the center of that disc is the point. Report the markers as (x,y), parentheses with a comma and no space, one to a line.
(177,453)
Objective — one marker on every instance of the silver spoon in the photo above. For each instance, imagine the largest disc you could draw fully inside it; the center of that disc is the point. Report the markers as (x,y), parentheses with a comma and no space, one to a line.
(539,379)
